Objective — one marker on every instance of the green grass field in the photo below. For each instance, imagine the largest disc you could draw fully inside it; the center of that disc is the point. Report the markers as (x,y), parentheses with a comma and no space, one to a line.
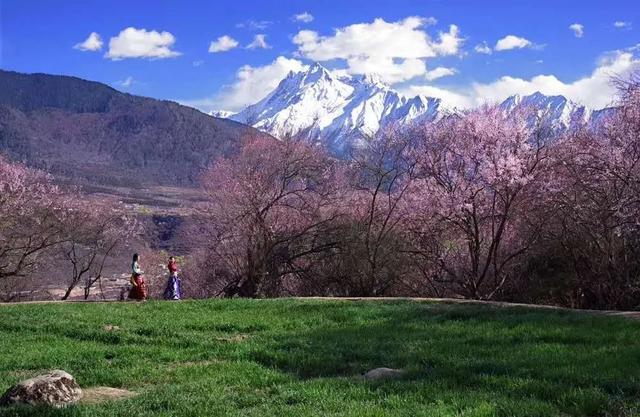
(305,358)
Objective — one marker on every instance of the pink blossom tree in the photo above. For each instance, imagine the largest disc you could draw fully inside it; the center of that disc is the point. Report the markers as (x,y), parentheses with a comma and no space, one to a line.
(32,210)
(596,190)
(42,224)
(480,180)
(268,215)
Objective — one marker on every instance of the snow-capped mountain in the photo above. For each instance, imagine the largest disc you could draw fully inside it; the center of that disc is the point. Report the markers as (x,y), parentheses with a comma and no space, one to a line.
(559,112)
(342,111)
(222,114)
(338,111)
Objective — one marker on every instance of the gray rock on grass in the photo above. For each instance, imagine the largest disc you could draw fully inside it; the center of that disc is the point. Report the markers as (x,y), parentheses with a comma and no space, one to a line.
(56,389)
(384,373)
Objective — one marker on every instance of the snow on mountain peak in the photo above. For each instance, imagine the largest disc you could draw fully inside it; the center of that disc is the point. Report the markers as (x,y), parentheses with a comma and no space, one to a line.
(317,73)
(338,111)
(342,111)
(371,80)
(222,114)
(557,111)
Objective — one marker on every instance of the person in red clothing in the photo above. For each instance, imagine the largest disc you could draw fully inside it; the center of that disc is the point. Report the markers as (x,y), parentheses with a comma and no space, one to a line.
(172,292)
(138,287)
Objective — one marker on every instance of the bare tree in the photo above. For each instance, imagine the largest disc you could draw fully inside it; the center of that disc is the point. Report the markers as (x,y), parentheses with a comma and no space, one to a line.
(94,231)
(381,175)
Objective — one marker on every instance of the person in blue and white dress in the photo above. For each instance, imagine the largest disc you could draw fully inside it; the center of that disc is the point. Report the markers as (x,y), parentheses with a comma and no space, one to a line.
(172,292)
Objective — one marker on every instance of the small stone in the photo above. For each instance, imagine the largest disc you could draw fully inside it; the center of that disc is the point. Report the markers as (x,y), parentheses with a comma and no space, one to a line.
(56,389)
(384,373)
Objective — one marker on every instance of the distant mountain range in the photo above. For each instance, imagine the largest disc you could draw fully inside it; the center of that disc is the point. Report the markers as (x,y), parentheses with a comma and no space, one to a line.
(342,111)
(558,112)
(84,130)
(337,111)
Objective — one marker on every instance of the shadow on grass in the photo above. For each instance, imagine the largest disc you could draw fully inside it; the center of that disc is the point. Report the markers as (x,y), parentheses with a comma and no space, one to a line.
(269,355)
(581,364)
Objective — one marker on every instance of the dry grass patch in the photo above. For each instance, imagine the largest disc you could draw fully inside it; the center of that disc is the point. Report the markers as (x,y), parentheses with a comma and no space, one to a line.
(99,395)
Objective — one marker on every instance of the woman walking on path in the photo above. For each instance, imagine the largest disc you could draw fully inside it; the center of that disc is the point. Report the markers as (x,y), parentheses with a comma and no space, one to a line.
(138,287)
(172,292)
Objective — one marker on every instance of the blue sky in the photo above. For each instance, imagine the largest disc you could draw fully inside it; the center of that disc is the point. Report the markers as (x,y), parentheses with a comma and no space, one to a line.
(465,52)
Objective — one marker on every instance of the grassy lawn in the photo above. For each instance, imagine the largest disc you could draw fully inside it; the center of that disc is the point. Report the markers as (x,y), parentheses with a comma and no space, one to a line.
(304,358)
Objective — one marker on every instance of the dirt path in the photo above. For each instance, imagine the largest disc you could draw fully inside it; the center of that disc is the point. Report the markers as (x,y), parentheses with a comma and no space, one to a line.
(628,314)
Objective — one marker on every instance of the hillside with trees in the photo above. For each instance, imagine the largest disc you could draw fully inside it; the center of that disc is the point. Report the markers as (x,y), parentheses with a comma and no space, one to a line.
(87,131)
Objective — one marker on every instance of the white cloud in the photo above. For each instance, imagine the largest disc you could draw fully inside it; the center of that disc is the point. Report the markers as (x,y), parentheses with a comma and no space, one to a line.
(140,43)
(430,21)
(595,90)
(224,43)
(439,72)
(198,63)
(92,43)
(386,69)
(402,39)
(578,29)
(251,85)
(483,48)
(259,42)
(621,24)
(254,24)
(126,83)
(394,50)
(512,42)
(304,17)
(449,97)
(450,42)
